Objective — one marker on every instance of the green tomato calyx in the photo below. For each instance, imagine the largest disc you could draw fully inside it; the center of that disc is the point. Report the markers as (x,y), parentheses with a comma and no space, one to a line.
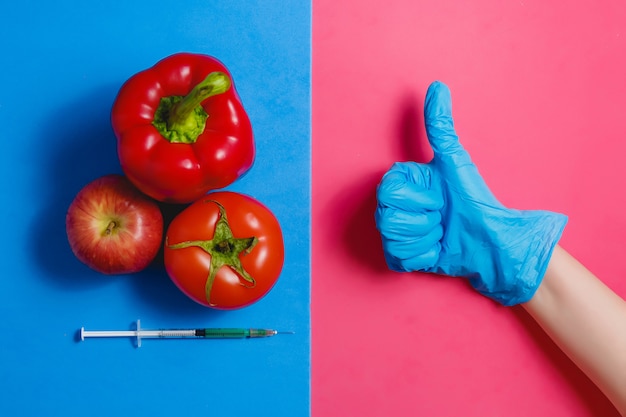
(224,249)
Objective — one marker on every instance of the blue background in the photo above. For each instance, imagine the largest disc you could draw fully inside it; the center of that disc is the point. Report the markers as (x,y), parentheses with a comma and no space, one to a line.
(62,65)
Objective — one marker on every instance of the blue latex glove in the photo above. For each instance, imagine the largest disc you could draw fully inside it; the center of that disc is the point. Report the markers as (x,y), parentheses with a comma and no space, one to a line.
(441,217)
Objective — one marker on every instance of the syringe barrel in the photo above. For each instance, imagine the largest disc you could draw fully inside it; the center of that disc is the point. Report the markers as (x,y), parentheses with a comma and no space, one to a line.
(233,333)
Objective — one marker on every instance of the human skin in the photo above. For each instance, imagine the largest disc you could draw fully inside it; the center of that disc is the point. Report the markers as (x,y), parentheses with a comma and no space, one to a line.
(587,320)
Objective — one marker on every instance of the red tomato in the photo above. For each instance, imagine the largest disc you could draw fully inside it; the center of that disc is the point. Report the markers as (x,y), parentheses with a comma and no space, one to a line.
(224,251)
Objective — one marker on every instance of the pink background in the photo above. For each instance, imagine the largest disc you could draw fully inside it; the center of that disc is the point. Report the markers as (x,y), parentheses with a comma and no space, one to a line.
(539,98)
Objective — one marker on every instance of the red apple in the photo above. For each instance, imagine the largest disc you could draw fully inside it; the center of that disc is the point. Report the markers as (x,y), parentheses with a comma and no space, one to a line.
(112,227)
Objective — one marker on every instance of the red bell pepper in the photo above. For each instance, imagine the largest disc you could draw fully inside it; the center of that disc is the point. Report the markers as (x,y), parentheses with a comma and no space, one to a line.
(181,129)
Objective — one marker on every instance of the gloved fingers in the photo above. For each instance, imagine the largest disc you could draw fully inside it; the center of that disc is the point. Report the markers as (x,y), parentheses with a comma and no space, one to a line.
(408,216)
(422,262)
(411,187)
(397,224)
(406,247)
(413,253)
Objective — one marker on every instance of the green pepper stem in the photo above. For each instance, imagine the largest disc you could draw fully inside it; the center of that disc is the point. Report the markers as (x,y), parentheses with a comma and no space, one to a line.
(182,119)
(215,83)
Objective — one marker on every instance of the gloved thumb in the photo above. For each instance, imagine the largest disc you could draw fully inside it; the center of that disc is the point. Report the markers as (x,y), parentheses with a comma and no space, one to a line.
(440,126)
(449,155)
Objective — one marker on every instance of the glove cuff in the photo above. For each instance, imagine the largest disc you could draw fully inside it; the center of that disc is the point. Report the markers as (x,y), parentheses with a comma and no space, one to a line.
(539,255)
(541,231)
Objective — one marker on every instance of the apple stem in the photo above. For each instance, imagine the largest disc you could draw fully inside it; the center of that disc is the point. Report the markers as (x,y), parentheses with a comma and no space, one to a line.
(110,227)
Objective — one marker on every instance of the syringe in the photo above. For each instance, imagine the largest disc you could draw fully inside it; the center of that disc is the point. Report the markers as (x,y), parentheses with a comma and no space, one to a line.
(201,333)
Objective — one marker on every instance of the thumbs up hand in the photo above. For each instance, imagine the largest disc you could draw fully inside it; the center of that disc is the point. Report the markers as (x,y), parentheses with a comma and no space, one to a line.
(442,218)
